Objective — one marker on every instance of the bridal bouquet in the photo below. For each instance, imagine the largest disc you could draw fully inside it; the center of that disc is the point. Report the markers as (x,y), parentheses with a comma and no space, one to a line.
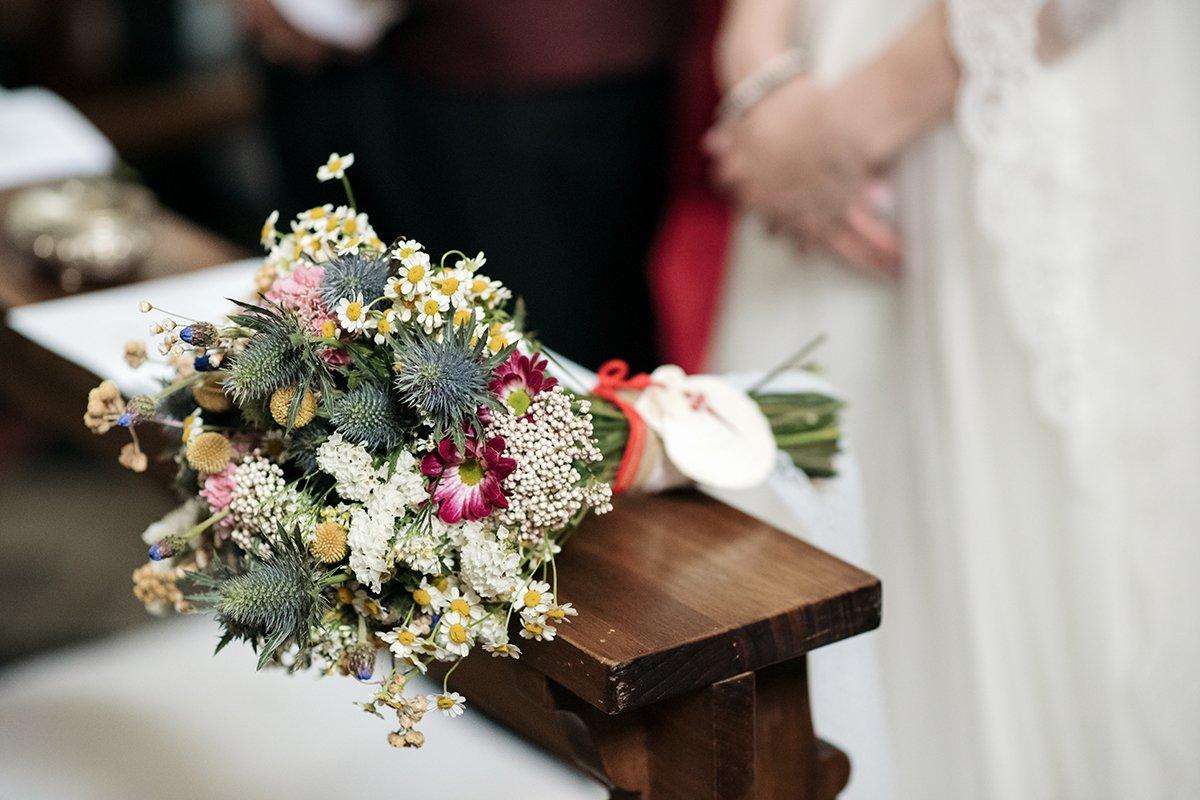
(377,466)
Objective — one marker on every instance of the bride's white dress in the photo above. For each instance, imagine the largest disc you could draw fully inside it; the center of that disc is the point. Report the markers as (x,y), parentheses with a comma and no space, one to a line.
(1024,401)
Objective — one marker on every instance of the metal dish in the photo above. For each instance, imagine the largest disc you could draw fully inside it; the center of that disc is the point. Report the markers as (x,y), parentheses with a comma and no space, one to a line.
(85,231)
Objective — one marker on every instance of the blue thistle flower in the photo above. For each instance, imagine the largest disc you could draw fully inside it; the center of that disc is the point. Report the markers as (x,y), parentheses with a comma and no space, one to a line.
(273,602)
(446,381)
(367,414)
(364,273)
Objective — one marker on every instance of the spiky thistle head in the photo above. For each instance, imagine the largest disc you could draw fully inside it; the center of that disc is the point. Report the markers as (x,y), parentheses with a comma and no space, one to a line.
(363,273)
(446,381)
(275,357)
(271,604)
(367,414)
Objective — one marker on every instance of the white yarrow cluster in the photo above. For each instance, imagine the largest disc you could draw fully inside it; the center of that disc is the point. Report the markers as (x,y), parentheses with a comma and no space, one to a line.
(350,465)
(546,491)
(489,565)
(261,502)
(385,499)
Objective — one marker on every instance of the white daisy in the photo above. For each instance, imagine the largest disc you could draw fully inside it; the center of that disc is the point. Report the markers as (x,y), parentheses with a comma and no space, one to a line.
(349,245)
(452,704)
(414,276)
(406,249)
(430,310)
(335,167)
(452,284)
(352,314)
(455,638)
(314,217)
(472,264)
(561,613)
(405,643)
(269,234)
(483,288)
(537,630)
(463,606)
(385,324)
(503,649)
(535,597)
(428,597)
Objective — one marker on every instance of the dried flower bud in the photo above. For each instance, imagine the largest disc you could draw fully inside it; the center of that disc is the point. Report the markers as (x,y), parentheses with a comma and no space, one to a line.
(135,353)
(202,334)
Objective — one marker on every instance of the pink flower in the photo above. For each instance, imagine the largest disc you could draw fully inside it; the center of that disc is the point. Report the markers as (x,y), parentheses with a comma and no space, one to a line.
(300,291)
(217,491)
(520,379)
(466,485)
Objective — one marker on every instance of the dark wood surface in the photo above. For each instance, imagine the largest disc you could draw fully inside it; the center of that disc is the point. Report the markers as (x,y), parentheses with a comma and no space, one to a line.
(679,591)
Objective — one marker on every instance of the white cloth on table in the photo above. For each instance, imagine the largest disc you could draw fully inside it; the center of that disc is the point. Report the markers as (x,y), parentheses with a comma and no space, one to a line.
(43,138)
(91,330)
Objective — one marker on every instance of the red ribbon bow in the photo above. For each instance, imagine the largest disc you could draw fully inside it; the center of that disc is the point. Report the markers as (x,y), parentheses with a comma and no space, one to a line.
(611,380)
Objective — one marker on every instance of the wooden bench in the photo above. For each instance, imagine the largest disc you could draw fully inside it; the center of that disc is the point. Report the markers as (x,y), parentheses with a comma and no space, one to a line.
(683,675)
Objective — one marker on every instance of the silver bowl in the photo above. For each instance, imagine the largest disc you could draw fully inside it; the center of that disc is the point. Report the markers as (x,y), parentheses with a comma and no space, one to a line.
(85,231)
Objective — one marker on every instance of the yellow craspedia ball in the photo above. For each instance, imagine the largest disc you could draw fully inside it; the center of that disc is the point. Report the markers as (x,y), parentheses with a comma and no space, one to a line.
(210,395)
(209,452)
(281,403)
(329,546)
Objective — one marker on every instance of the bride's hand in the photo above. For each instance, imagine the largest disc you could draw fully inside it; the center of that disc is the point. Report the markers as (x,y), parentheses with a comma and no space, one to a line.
(797,159)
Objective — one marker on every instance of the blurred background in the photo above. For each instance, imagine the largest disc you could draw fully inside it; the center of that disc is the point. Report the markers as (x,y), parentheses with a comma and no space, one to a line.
(988,207)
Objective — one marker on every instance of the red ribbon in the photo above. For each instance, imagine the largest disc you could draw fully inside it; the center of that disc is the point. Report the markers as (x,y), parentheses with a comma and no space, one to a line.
(611,380)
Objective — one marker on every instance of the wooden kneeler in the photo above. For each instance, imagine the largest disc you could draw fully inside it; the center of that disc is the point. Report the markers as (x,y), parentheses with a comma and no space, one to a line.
(684,674)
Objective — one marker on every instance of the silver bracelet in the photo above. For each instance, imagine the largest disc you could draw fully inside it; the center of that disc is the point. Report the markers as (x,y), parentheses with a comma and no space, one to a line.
(751,90)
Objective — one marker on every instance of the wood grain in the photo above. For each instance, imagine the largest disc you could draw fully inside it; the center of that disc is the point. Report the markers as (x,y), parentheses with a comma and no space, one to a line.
(677,592)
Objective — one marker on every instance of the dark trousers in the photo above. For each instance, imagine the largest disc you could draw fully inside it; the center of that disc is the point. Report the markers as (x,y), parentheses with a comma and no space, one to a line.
(561,188)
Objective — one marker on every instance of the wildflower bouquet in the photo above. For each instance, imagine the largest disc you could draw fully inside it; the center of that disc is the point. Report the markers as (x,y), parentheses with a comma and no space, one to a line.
(375,461)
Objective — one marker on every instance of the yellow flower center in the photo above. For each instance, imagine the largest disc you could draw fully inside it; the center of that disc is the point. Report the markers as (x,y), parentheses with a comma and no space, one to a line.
(450,285)
(407,251)
(416,273)
(462,316)
(372,608)
(385,325)
(532,598)
(317,213)
(431,307)
(496,343)
(460,606)
(519,400)
(328,329)
(442,583)
(406,638)
(534,628)
(354,311)
(334,164)
(350,226)
(458,634)
(445,702)
(422,598)
(556,613)
(470,472)
(479,285)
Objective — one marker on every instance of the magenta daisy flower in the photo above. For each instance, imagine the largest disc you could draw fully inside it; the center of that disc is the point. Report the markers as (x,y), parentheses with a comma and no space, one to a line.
(466,484)
(520,379)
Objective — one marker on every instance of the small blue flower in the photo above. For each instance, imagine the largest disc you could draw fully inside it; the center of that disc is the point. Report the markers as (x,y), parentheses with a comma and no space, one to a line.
(202,363)
(186,333)
(126,420)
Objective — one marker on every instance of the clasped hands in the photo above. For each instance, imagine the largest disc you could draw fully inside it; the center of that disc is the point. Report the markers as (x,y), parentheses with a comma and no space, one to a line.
(795,158)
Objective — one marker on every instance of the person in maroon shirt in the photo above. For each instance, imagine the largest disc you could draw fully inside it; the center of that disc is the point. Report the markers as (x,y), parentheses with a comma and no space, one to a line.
(534,130)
